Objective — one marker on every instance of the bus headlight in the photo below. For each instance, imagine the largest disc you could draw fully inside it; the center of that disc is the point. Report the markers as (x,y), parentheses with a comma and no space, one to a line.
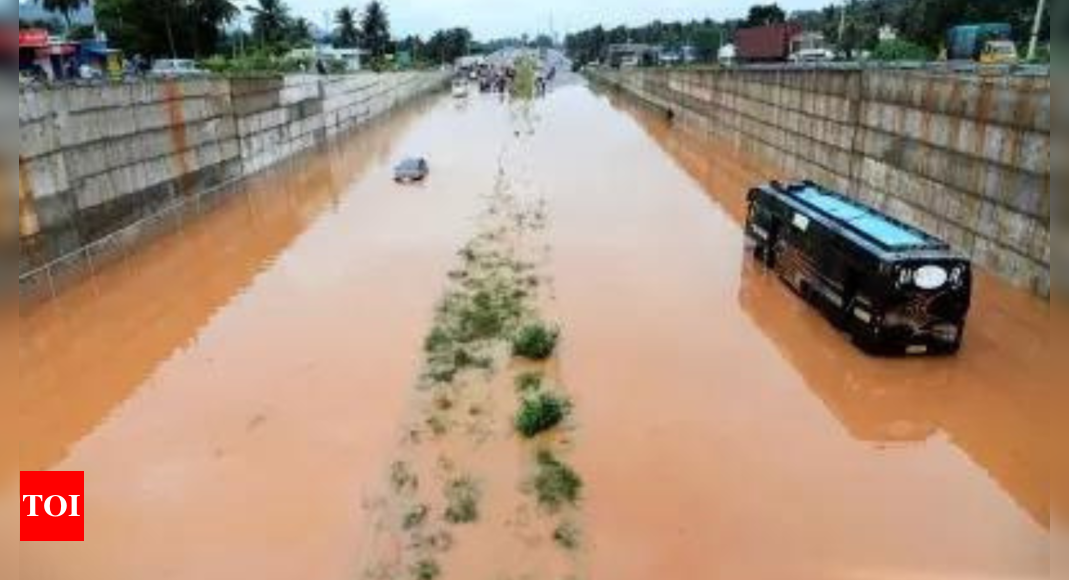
(930,277)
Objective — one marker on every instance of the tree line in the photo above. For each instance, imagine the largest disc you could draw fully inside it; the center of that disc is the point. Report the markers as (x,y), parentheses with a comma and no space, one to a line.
(198,29)
(920,24)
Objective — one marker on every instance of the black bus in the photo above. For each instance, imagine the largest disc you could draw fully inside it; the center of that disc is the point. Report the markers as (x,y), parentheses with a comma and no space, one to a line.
(892,287)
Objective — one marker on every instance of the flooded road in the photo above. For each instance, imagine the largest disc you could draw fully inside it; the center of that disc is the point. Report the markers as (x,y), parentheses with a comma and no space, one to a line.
(234,390)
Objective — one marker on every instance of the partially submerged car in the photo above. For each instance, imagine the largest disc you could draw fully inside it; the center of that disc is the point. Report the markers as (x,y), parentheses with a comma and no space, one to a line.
(411,169)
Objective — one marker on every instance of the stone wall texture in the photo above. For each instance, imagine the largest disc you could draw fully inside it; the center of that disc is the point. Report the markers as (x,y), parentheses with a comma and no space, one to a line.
(95,159)
(964,157)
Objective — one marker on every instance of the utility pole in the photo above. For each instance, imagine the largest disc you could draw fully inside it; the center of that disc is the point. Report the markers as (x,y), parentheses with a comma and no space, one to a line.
(1037,27)
(842,25)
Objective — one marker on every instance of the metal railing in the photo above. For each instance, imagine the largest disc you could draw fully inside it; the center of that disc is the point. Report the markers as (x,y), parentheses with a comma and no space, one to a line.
(46,281)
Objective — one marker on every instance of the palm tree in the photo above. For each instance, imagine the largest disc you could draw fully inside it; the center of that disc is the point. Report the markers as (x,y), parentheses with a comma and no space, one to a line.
(347,36)
(208,17)
(270,21)
(301,33)
(376,29)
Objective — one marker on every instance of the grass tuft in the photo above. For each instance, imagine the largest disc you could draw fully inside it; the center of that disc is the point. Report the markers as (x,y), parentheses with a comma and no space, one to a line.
(567,535)
(556,484)
(415,517)
(462,496)
(529,382)
(403,478)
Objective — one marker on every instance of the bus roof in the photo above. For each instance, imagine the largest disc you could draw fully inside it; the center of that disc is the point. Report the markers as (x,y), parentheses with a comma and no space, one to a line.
(868,222)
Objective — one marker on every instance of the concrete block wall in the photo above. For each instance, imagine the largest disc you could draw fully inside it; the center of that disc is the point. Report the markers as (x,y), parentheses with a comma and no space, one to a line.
(966,158)
(94,159)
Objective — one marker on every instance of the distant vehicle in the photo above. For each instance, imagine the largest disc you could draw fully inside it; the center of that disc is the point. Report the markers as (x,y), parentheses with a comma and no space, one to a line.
(411,169)
(999,52)
(969,42)
(460,88)
(810,47)
(812,55)
(770,43)
(892,287)
(175,68)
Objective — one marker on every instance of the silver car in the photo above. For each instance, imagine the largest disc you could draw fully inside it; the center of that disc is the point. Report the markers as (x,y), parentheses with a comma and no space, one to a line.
(410,170)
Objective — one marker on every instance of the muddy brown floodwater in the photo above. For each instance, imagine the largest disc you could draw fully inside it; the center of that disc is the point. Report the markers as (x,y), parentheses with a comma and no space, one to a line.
(234,390)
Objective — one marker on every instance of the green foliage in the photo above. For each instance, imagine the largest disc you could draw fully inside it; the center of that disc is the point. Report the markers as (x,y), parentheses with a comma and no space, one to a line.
(375,29)
(540,413)
(894,50)
(79,32)
(256,62)
(1043,54)
(529,382)
(763,15)
(524,85)
(446,46)
(193,27)
(556,484)
(346,34)
(535,341)
(462,498)
(426,570)
(271,24)
(402,478)
(415,517)
(567,535)
(705,35)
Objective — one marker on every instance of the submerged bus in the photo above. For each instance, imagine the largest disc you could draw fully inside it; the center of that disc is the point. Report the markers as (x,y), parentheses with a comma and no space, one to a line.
(892,287)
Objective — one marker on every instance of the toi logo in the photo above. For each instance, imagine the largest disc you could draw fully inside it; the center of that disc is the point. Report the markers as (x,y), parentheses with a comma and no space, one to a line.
(53,506)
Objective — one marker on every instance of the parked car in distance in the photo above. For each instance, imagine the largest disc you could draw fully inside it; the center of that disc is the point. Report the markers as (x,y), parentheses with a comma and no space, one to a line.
(410,170)
(175,68)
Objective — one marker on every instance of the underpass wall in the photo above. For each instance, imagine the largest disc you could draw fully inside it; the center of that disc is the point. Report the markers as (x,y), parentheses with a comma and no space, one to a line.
(95,159)
(964,157)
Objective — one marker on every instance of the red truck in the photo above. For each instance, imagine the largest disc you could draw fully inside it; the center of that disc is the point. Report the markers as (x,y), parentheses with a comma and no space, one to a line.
(771,43)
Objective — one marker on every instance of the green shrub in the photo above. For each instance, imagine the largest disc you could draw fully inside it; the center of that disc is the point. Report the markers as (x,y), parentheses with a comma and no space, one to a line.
(426,570)
(555,483)
(462,499)
(535,341)
(894,50)
(437,340)
(541,412)
(529,382)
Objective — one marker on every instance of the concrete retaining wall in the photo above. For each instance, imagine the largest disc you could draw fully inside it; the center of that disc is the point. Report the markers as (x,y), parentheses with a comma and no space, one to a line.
(965,158)
(95,159)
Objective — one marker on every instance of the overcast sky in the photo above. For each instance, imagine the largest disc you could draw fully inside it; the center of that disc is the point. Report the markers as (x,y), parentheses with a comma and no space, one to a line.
(498,18)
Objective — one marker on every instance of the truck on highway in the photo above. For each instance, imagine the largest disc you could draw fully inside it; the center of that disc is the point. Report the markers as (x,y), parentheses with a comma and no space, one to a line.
(990,43)
(770,43)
